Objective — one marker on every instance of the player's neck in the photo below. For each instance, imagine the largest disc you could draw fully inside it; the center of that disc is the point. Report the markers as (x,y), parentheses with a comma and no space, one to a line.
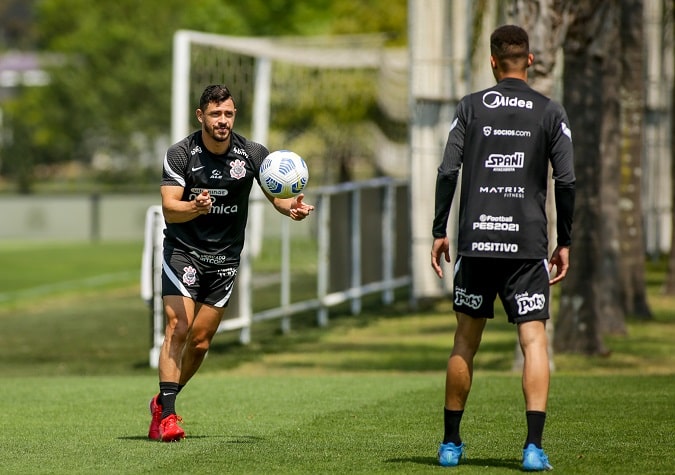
(214,146)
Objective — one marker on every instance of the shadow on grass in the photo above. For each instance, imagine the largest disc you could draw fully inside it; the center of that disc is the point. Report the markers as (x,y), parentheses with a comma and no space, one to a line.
(377,340)
(511,464)
(236,439)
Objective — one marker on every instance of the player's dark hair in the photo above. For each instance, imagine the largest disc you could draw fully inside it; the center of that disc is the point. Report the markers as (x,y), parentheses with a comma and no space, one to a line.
(510,46)
(216,93)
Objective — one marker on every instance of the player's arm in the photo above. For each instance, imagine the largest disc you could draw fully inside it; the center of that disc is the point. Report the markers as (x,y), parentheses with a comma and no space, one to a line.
(294,207)
(446,183)
(445,189)
(562,161)
(178,211)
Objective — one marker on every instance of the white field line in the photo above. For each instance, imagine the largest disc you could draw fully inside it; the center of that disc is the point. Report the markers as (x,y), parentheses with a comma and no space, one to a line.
(89,282)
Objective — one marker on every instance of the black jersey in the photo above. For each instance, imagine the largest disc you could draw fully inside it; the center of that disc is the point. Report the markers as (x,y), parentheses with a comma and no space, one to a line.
(217,237)
(503,139)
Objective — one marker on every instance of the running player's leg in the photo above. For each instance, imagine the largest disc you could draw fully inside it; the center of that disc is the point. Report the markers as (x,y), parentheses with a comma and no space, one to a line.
(204,327)
(179,313)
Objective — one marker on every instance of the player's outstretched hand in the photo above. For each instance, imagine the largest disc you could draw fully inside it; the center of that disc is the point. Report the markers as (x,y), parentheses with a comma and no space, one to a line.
(203,202)
(441,247)
(300,210)
(560,259)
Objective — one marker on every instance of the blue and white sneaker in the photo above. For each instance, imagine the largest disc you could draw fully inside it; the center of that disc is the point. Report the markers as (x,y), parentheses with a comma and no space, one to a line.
(535,460)
(450,454)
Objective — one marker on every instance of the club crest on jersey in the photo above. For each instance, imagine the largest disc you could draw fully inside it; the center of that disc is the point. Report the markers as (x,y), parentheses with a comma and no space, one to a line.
(238,169)
(189,275)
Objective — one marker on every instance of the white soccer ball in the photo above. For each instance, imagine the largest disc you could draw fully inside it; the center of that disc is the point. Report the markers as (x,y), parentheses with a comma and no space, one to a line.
(284,174)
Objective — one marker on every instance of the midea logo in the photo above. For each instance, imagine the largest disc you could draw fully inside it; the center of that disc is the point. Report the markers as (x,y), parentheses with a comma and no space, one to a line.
(494,99)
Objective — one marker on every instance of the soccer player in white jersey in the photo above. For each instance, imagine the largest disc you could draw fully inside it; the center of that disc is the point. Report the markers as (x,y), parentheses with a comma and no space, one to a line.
(503,139)
(206,182)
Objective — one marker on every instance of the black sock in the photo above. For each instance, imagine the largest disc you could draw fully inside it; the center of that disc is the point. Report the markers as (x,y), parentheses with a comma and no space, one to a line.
(451,421)
(167,397)
(535,427)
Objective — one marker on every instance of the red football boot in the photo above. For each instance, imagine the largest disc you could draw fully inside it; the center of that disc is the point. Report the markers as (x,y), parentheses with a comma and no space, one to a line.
(156,413)
(169,430)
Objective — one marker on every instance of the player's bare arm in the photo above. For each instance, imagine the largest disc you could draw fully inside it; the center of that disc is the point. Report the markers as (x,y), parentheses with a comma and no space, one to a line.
(294,207)
(178,211)
(441,247)
(560,261)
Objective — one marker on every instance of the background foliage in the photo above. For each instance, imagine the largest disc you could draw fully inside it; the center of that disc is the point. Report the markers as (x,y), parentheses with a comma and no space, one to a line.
(110,90)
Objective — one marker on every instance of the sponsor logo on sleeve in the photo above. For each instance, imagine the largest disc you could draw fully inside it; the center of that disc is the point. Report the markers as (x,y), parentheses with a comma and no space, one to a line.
(239,151)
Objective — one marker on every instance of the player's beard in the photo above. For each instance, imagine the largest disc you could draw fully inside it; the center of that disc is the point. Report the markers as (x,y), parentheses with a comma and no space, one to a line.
(219,134)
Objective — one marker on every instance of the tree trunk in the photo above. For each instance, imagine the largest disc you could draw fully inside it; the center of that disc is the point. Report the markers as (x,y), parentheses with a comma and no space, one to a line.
(588,295)
(670,278)
(546,22)
(631,234)
(612,316)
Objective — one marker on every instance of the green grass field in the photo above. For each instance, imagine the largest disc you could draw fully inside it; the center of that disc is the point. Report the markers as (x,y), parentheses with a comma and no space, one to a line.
(364,395)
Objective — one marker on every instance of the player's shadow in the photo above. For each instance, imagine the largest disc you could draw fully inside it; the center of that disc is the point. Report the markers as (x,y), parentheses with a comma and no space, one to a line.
(512,464)
(235,439)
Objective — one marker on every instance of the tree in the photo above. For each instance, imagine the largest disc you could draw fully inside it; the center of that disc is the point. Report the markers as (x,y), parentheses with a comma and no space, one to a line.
(590,83)
(112,93)
(670,281)
(633,287)
(546,22)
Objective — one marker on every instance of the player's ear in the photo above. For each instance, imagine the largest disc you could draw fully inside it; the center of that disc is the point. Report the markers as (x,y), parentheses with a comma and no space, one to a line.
(530,59)
(199,115)
(493,62)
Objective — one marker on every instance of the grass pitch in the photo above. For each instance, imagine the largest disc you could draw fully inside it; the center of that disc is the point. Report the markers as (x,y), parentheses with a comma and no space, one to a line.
(364,395)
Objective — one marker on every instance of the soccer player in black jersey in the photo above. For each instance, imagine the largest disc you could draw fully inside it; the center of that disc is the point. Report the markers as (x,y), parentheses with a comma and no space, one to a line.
(206,183)
(503,139)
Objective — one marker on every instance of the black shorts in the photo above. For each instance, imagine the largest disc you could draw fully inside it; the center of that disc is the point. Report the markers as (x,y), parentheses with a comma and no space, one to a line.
(522,286)
(188,275)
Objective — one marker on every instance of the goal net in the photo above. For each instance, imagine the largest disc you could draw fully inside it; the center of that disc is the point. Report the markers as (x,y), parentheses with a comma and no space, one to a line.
(339,102)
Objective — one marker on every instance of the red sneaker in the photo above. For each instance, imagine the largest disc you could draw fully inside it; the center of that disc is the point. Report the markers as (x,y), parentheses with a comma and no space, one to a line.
(156,413)
(169,430)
